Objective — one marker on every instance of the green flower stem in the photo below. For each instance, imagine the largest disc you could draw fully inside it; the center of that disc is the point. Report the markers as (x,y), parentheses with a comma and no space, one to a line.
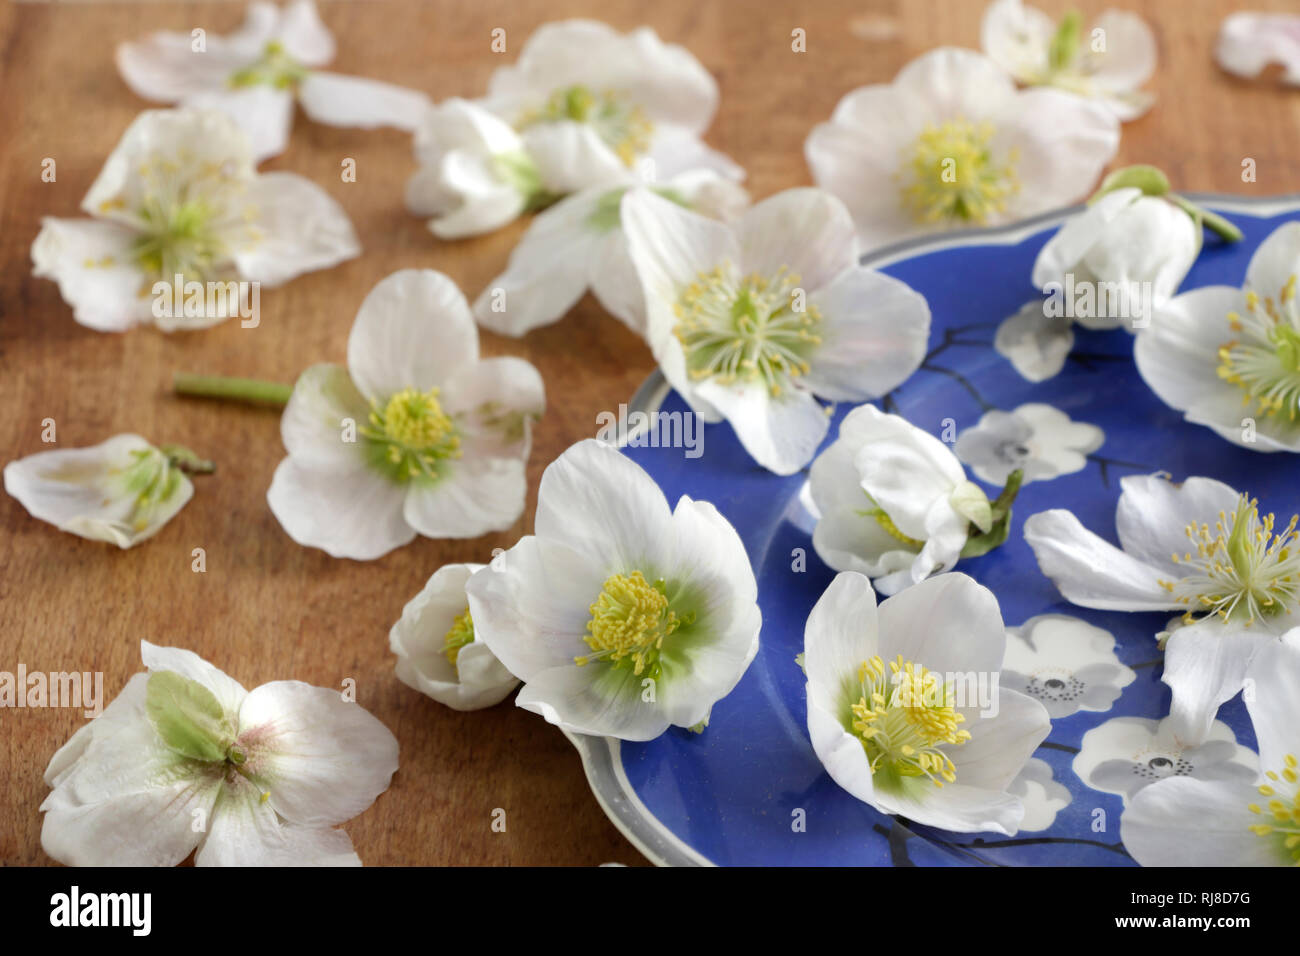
(252,390)
(187,461)
(1211,220)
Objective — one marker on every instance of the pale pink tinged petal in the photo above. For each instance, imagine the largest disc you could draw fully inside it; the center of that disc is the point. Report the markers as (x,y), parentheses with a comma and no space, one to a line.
(1000,743)
(1090,571)
(324,411)
(1273,703)
(874,331)
(1182,821)
(947,623)
(782,432)
(228,691)
(347,514)
(1205,665)
(1062,141)
(264,113)
(602,504)
(414,330)
(1154,512)
(807,233)
(301,228)
(322,758)
(246,832)
(93,263)
(842,632)
(363,103)
(1275,262)
(476,495)
(1248,42)
(304,36)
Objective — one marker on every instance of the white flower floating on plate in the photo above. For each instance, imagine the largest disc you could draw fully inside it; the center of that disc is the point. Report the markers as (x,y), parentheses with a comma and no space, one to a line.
(179,197)
(1233,820)
(122,490)
(621,616)
(1127,754)
(894,503)
(255,75)
(1199,547)
(579,244)
(952,143)
(1065,663)
(1249,42)
(904,707)
(438,651)
(583,106)
(1108,61)
(1038,440)
(417,435)
(184,757)
(754,322)
(1229,358)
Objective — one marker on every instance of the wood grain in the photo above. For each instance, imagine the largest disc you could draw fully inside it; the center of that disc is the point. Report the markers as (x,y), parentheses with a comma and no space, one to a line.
(267,609)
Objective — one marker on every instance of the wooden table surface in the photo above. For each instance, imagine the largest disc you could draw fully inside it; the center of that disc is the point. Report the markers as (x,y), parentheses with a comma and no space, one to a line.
(267,609)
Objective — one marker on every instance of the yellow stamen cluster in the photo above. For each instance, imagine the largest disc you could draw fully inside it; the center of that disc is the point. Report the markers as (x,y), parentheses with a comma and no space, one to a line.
(905,714)
(411,436)
(275,67)
(1264,358)
(747,328)
(1285,813)
(629,622)
(458,635)
(1240,569)
(952,176)
(624,127)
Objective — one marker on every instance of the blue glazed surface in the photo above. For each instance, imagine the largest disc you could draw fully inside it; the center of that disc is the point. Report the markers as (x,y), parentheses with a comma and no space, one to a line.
(731,793)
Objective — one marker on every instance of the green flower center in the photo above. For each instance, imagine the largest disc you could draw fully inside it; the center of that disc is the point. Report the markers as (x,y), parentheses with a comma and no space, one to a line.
(904,715)
(1285,813)
(150,479)
(622,126)
(1264,359)
(274,68)
(629,622)
(411,437)
(1240,569)
(460,634)
(180,240)
(745,329)
(952,176)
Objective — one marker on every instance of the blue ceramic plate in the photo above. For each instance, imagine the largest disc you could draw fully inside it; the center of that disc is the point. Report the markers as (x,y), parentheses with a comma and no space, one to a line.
(750,790)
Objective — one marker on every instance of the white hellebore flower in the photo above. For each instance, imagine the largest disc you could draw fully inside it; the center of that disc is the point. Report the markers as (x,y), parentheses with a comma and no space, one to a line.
(438,652)
(185,757)
(179,197)
(122,490)
(1198,547)
(1039,440)
(904,707)
(1230,821)
(894,503)
(1249,42)
(579,244)
(750,323)
(952,143)
(255,74)
(1108,63)
(621,616)
(417,434)
(1229,358)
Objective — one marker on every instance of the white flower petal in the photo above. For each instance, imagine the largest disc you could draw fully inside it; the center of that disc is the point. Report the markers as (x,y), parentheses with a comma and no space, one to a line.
(957,82)
(315,420)
(958,808)
(842,633)
(781,432)
(495,402)
(571,156)
(1001,742)
(1017,37)
(1248,42)
(304,36)
(807,232)
(1205,665)
(363,103)
(264,113)
(354,514)
(1275,261)
(246,832)
(904,469)
(1182,821)
(1154,512)
(95,267)
(605,703)
(1273,704)
(301,229)
(947,623)
(475,496)
(1079,234)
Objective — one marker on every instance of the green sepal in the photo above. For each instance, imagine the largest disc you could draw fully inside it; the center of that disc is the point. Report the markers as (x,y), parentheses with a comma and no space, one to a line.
(188,717)
(1065,42)
(969,501)
(1000,508)
(1149,179)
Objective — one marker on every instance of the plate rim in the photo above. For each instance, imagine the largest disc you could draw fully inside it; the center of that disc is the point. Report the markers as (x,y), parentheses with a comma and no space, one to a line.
(601,756)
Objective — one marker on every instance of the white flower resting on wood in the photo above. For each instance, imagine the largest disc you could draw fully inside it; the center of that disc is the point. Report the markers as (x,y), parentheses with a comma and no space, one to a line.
(438,651)
(1040,441)
(1107,62)
(1199,547)
(583,106)
(255,74)
(753,323)
(952,143)
(579,244)
(905,710)
(1230,821)
(1249,42)
(186,758)
(621,616)
(179,197)
(122,490)
(1229,358)
(894,503)
(417,434)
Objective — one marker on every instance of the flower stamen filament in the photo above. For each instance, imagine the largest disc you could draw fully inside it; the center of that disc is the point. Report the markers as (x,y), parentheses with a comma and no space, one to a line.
(1284,813)
(629,621)
(411,437)
(952,175)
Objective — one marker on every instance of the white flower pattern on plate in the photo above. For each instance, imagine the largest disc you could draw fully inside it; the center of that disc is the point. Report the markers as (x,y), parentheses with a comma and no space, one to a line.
(1038,439)
(1065,663)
